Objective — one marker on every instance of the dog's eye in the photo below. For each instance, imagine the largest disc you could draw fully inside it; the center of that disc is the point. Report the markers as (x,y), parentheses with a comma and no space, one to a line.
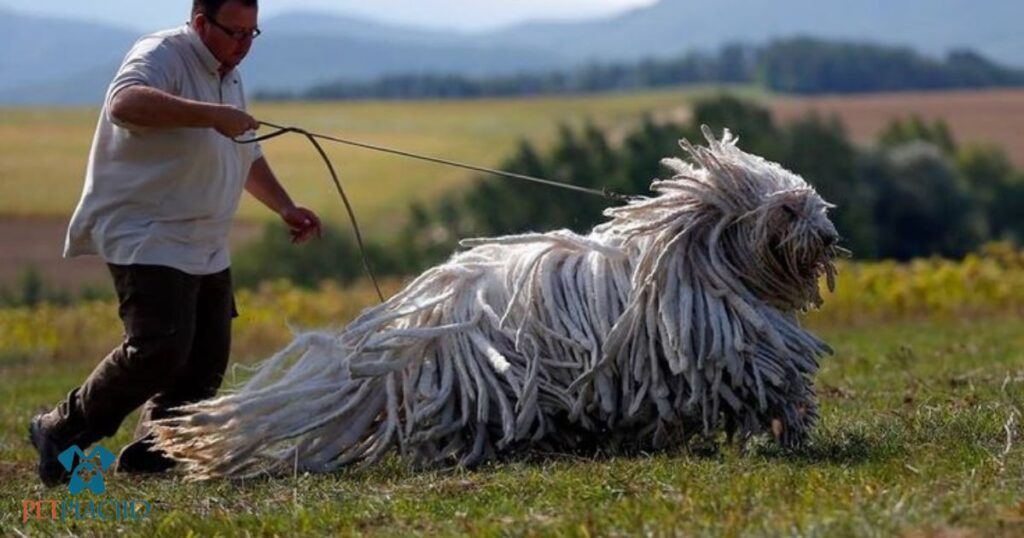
(792,212)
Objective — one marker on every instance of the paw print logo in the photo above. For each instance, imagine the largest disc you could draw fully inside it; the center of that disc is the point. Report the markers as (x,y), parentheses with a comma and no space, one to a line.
(85,475)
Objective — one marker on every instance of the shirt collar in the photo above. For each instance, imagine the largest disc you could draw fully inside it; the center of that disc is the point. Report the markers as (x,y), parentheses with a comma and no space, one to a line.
(206,57)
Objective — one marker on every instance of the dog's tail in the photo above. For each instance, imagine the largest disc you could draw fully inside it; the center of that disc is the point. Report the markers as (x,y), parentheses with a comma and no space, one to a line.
(254,430)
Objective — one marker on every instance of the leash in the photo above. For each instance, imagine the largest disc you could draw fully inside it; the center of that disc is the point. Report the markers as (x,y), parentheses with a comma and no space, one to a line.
(312,137)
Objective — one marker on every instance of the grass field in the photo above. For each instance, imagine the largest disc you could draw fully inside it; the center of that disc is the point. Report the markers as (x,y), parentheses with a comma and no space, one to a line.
(913,440)
(921,434)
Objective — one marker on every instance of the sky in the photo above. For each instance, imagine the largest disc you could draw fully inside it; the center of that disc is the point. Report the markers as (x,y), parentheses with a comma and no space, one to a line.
(466,15)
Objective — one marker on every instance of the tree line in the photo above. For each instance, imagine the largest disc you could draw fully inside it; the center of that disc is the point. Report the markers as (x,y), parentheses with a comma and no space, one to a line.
(915,192)
(797,65)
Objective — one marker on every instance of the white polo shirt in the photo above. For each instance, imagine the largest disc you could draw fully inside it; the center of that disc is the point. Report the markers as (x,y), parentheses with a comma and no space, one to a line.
(164,196)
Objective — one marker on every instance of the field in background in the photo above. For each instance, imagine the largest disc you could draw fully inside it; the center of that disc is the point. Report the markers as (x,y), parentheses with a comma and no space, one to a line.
(982,116)
(921,432)
(43,153)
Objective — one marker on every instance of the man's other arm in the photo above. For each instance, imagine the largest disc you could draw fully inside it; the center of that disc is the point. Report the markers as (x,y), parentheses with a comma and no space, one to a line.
(303,223)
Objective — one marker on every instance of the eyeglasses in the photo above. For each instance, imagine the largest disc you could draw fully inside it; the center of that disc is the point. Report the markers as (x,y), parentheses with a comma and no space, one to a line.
(237,35)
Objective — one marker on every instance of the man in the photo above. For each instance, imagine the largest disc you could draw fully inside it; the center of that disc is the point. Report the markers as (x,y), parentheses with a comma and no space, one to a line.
(163,184)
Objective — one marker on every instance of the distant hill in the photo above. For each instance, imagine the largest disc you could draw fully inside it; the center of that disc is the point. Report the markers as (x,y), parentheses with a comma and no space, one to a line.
(306,47)
(82,88)
(311,23)
(35,51)
(990,27)
(57,61)
(791,66)
(290,61)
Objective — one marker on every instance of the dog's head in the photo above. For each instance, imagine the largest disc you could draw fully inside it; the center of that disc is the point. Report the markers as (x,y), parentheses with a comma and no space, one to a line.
(786,244)
(761,228)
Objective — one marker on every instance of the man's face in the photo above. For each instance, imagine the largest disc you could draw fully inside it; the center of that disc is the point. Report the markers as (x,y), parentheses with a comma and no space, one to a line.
(217,32)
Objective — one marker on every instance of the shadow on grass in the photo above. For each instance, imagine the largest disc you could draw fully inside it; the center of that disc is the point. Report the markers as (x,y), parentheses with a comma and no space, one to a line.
(835,448)
(839,448)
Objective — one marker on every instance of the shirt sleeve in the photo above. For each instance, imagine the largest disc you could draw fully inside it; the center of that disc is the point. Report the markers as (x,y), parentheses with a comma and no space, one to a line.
(149,63)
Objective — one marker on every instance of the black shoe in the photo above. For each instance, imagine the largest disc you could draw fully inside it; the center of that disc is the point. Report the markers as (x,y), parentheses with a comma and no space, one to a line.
(51,472)
(141,457)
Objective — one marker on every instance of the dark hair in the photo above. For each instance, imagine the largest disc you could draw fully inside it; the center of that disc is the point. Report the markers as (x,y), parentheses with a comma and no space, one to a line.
(210,8)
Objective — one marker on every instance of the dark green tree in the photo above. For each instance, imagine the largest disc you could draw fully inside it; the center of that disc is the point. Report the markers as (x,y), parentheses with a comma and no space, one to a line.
(937,133)
(923,205)
(997,189)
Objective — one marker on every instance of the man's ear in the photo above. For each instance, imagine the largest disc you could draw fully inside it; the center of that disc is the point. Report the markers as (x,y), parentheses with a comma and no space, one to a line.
(67,458)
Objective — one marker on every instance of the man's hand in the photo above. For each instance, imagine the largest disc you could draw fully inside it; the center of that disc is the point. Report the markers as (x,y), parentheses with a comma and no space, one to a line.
(303,223)
(232,122)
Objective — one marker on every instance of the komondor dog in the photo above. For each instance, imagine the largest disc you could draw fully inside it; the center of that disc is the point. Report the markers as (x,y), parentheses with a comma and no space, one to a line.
(676,317)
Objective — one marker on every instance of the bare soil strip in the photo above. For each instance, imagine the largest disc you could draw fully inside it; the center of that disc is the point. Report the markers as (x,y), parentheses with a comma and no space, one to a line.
(985,116)
(38,242)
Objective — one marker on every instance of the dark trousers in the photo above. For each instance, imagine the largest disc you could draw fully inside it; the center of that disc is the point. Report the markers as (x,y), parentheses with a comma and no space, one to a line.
(177,338)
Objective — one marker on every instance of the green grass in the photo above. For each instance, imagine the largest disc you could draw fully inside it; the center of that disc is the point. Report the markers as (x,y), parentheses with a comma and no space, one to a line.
(913,441)
(43,152)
